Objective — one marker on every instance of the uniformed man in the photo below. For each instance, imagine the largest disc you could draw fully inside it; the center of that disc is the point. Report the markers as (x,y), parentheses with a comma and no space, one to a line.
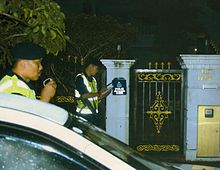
(86,91)
(26,67)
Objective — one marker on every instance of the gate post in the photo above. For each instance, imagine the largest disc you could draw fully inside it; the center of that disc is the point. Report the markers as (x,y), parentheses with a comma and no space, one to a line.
(117,106)
(202,107)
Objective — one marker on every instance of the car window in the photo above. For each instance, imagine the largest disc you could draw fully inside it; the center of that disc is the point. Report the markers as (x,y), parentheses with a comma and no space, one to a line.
(25,149)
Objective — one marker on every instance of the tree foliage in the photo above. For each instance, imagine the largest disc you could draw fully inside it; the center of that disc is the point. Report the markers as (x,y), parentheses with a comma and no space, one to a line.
(40,21)
(97,36)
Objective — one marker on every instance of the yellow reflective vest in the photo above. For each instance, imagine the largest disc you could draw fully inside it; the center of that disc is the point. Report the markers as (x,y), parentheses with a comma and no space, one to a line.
(13,85)
(82,107)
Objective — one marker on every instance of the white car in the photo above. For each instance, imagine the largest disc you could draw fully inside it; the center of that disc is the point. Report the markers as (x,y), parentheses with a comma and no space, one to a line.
(42,136)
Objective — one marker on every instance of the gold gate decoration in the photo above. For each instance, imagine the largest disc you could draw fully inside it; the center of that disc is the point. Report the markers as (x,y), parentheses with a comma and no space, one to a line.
(158,77)
(158,148)
(158,112)
(64,99)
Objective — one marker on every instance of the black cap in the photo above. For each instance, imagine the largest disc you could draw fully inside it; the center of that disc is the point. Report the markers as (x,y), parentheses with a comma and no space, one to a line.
(94,61)
(27,51)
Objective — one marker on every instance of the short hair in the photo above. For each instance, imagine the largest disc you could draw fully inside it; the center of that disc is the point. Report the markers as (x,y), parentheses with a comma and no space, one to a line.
(14,62)
(94,61)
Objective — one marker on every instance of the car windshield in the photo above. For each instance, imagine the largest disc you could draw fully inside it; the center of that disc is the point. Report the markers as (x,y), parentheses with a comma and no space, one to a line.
(114,146)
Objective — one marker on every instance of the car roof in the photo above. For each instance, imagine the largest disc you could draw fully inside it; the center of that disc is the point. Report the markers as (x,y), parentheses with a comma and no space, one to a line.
(24,112)
(34,106)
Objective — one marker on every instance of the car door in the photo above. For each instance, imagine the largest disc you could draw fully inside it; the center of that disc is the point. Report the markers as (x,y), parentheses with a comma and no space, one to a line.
(23,148)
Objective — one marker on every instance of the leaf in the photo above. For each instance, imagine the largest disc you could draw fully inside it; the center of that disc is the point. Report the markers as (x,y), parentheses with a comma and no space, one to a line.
(36,29)
(46,14)
(25,13)
(43,30)
(32,22)
(31,14)
(53,34)
(34,19)
(2,5)
(15,14)
(67,37)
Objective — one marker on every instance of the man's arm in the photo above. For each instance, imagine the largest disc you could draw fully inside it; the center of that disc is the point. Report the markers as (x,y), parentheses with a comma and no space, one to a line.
(80,86)
(104,92)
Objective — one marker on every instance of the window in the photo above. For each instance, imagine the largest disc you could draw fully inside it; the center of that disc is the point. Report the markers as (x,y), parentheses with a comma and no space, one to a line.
(27,149)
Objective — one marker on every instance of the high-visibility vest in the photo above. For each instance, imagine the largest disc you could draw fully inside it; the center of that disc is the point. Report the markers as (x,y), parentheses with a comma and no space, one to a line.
(13,85)
(82,108)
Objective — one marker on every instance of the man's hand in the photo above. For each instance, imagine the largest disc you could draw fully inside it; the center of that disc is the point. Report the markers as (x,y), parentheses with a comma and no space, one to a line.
(103,89)
(49,91)
(104,92)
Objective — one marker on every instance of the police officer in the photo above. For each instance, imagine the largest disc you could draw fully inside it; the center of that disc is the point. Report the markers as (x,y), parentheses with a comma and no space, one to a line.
(26,67)
(86,91)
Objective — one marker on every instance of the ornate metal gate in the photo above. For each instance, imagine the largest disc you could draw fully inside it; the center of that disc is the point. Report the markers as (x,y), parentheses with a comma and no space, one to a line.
(157,116)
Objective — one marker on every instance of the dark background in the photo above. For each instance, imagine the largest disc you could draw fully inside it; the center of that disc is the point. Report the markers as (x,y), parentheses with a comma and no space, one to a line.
(166,28)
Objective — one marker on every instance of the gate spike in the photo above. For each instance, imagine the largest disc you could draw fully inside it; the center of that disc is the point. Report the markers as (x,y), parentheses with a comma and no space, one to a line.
(149,65)
(75,59)
(82,61)
(156,65)
(168,65)
(162,65)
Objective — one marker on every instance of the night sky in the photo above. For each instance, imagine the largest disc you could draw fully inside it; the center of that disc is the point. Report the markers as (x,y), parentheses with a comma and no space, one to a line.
(171,17)
(136,8)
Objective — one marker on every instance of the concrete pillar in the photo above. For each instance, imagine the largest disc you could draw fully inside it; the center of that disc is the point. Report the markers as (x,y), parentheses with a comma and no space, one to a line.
(117,106)
(202,88)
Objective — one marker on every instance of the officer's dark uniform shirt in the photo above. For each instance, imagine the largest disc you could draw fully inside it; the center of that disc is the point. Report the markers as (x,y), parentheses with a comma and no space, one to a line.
(80,86)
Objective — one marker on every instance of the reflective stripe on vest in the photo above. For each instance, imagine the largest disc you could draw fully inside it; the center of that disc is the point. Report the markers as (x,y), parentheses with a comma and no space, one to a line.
(84,110)
(12,84)
(92,88)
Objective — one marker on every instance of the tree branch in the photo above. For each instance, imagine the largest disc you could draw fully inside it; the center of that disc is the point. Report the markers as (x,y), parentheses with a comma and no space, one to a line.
(13,18)
(56,77)
(16,35)
(94,49)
